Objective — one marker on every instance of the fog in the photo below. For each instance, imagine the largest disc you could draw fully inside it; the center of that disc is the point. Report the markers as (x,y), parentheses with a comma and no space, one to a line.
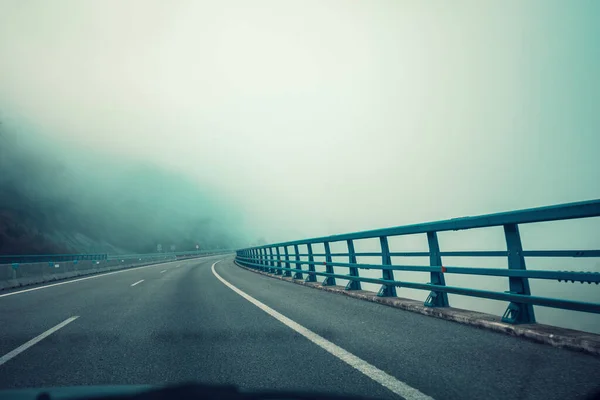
(59,199)
(299,119)
(323,117)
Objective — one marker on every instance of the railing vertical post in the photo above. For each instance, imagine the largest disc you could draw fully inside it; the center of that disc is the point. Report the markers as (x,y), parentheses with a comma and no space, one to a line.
(278,271)
(266,260)
(517,313)
(297,275)
(287,261)
(260,257)
(311,264)
(387,274)
(352,285)
(253,258)
(436,299)
(329,280)
(271,262)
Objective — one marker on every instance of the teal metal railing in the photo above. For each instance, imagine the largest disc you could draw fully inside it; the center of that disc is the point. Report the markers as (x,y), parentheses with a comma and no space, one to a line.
(278,259)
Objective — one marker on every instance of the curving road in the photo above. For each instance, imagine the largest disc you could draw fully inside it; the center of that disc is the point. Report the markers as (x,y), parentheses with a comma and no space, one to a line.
(185,321)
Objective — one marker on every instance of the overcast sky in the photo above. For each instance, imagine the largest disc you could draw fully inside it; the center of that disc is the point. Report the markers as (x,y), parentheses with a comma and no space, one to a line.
(322,117)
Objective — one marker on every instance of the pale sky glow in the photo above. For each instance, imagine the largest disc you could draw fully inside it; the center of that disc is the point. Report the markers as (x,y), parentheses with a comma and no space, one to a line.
(321,117)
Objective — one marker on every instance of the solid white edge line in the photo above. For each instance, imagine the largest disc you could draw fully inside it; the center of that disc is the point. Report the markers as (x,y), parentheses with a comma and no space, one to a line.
(384,379)
(100,275)
(140,281)
(35,340)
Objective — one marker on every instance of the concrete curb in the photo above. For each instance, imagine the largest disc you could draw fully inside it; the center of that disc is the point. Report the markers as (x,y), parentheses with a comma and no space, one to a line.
(558,337)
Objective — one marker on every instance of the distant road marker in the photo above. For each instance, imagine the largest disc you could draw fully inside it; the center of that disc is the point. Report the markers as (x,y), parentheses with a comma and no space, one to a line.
(384,379)
(163,271)
(25,346)
(138,282)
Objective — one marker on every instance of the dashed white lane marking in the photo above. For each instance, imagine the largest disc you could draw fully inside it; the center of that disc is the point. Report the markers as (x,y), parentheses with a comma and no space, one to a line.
(140,281)
(163,271)
(35,340)
(384,379)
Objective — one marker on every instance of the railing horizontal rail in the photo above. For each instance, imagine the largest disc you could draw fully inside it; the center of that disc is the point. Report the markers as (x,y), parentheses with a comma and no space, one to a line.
(591,277)
(535,300)
(481,253)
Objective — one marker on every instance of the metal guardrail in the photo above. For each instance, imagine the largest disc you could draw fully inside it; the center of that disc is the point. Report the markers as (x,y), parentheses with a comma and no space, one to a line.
(158,256)
(46,268)
(520,309)
(51,258)
(35,258)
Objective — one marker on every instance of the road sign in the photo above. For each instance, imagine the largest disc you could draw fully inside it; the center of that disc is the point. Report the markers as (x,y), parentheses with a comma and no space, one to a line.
(159,248)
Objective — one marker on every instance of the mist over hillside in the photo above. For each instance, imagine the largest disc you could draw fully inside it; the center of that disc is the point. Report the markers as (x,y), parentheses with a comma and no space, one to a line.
(55,198)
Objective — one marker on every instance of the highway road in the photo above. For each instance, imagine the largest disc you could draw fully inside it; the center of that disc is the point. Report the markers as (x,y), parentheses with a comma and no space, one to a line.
(189,321)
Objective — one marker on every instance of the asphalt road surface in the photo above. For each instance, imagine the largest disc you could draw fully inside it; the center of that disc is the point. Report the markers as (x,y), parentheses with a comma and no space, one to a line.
(185,321)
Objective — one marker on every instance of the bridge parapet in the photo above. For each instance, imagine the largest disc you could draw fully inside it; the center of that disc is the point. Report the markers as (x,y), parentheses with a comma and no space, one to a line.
(287,259)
